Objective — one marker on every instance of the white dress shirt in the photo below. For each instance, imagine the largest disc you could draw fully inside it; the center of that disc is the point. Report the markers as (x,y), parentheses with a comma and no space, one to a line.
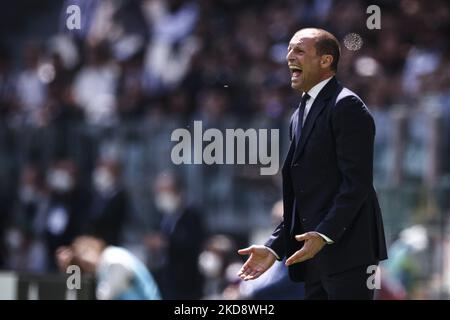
(313,93)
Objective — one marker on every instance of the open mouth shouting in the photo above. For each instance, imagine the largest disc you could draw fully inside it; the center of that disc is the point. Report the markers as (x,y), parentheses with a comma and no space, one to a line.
(296,72)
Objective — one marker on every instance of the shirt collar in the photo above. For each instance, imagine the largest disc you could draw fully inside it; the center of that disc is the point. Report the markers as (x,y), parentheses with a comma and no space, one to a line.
(314,91)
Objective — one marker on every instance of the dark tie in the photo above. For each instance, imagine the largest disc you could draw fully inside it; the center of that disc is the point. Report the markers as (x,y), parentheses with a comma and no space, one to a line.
(301,112)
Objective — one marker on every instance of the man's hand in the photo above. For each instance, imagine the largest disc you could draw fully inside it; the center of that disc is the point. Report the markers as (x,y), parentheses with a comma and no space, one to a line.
(261,259)
(313,244)
(64,257)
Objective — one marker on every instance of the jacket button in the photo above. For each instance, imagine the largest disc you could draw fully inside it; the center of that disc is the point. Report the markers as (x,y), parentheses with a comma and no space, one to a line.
(303,219)
(295,165)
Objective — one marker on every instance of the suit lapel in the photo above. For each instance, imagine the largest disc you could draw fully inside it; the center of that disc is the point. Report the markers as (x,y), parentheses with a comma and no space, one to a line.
(316,108)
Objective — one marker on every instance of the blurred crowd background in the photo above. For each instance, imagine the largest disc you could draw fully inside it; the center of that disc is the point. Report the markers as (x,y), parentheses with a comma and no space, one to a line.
(86,117)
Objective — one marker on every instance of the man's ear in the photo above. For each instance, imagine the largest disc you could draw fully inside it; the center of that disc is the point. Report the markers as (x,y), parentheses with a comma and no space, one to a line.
(326,60)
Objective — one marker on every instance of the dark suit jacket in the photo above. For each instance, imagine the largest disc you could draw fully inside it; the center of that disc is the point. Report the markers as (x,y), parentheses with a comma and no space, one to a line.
(327,186)
(185,234)
(107,216)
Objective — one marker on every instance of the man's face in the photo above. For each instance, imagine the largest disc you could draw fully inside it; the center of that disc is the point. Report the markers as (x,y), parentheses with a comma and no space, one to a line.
(303,61)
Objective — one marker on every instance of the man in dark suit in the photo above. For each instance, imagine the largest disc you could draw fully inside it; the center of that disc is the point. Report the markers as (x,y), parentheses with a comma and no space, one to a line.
(332,228)
(110,204)
(179,240)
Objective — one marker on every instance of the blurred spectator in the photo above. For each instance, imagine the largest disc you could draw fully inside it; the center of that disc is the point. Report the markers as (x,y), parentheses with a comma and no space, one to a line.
(178,240)
(26,248)
(130,89)
(113,20)
(8,98)
(218,254)
(63,116)
(171,47)
(32,86)
(109,205)
(67,206)
(95,85)
(119,274)
(406,265)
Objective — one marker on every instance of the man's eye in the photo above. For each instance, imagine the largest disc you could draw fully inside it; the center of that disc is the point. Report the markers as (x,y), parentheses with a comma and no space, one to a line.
(296,50)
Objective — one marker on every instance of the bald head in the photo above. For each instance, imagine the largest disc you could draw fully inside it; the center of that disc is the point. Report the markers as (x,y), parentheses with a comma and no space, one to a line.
(325,44)
(313,56)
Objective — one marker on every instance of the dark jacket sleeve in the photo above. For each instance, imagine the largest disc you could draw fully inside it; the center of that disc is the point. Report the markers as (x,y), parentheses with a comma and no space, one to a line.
(354,132)
(276,241)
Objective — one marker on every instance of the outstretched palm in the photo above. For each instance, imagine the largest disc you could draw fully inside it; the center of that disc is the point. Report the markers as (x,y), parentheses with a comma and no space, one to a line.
(260,260)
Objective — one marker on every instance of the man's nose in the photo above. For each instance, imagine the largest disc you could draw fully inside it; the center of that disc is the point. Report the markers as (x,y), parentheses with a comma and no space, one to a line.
(289,56)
